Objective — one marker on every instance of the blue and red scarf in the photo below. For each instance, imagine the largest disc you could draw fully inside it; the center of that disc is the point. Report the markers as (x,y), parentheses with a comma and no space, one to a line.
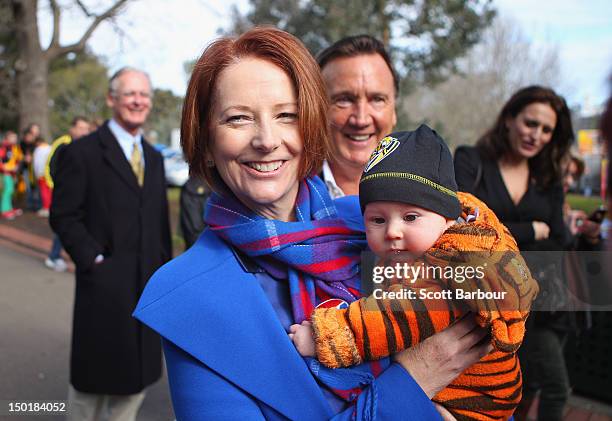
(318,254)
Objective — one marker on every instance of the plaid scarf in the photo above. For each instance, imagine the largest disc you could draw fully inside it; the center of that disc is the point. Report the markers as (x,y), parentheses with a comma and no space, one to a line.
(317,254)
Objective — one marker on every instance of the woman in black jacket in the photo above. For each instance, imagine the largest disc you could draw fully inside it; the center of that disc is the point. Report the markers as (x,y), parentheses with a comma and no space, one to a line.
(516,169)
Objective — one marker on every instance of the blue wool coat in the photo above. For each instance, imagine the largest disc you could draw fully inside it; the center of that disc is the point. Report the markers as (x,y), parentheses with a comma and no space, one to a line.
(228,356)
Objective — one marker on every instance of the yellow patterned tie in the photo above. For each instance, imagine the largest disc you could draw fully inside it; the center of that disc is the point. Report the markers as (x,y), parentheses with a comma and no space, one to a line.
(137,164)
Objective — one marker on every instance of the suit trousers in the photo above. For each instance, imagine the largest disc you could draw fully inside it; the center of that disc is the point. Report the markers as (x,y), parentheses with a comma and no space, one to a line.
(92,407)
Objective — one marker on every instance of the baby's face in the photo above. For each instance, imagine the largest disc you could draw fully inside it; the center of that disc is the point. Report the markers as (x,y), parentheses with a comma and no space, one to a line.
(394,227)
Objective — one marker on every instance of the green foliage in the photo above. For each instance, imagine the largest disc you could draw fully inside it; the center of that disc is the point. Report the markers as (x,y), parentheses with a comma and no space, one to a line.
(165,115)
(586,203)
(77,86)
(425,37)
(9,115)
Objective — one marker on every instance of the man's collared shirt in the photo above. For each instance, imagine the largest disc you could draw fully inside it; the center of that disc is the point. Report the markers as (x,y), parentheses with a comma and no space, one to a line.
(126,140)
(330,182)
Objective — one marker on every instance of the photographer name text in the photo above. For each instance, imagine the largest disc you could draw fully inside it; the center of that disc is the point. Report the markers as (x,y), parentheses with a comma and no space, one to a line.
(423,294)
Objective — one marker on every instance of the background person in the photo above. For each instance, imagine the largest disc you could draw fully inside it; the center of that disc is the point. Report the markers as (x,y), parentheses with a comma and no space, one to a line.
(26,172)
(254,124)
(583,234)
(194,194)
(362,86)
(111,214)
(606,132)
(79,127)
(516,169)
(10,158)
(39,161)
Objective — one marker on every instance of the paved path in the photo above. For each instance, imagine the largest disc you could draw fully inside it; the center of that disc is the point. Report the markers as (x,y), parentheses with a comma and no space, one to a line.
(35,323)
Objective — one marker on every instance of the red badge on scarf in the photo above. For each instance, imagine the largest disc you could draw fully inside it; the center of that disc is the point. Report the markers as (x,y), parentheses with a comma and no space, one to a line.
(333,303)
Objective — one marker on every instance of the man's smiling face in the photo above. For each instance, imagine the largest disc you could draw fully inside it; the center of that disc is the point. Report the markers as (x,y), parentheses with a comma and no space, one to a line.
(362,107)
(131,102)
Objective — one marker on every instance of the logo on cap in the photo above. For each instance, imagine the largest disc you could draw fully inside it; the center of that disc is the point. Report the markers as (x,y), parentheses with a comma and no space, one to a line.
(385,147)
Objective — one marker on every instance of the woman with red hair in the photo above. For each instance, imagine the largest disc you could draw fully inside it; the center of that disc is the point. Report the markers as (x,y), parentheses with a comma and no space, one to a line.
(254,126)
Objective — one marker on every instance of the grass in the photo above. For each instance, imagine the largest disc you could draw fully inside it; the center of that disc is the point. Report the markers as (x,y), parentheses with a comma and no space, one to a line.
(585,203)
(178,245)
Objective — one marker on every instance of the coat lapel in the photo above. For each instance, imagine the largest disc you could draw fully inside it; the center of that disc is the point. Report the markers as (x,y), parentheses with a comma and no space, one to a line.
(114,156)
(220,315)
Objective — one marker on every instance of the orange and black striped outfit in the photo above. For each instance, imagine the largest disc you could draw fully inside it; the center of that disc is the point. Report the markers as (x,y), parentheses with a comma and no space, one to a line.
(371,329)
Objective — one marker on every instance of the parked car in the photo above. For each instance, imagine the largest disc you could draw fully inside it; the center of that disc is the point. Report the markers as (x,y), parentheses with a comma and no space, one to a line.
(177,170)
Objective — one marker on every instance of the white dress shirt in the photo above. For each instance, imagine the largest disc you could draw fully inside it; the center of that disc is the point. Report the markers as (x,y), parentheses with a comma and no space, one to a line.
(330,182)
(126,140)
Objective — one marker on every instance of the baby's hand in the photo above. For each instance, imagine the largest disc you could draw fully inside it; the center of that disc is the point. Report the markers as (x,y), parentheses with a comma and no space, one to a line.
(303,338)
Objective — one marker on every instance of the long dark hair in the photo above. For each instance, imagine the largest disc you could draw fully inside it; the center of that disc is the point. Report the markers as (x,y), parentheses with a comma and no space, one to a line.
(546,167)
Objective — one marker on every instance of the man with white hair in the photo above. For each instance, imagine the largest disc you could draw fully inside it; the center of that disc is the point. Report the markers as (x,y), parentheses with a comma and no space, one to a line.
(110,211)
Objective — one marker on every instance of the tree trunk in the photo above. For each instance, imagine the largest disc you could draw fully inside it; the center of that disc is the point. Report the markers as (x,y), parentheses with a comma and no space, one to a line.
(33,95)
(32,68)
(383,20)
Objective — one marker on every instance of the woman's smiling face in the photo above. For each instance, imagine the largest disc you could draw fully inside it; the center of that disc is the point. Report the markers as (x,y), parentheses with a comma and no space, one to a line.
(256,143)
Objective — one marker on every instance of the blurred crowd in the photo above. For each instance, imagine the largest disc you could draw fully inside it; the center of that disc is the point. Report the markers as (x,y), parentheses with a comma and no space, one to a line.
(27,166)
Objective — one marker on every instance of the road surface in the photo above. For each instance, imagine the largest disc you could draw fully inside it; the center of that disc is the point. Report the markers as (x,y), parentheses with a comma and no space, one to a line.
(35,324)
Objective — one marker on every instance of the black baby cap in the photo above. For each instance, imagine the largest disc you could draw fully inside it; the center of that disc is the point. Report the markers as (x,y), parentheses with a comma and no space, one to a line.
(414,168)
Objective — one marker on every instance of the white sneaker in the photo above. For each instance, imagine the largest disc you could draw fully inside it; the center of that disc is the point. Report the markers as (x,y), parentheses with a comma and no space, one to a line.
(43,213)
(58,265)
(49,263)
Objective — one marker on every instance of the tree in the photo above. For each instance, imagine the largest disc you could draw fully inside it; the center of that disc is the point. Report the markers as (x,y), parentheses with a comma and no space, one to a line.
(425,37)
(33,60)
(9,114)
(165,115)
(466,104)
(78,84)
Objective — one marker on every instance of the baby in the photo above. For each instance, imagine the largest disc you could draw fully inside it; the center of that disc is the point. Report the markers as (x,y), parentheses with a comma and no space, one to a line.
(413,214)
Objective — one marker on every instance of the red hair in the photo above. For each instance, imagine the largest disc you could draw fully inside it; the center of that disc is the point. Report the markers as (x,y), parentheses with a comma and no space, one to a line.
(279,48)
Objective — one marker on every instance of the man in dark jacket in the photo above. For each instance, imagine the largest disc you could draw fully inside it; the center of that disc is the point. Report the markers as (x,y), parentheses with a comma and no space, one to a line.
(194,194)
(111,214)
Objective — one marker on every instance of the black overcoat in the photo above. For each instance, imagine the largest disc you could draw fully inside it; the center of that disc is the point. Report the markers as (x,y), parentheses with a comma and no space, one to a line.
(99,208)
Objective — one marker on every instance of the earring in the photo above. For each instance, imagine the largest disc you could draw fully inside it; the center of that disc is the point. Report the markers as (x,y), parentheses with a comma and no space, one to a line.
(210,163)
